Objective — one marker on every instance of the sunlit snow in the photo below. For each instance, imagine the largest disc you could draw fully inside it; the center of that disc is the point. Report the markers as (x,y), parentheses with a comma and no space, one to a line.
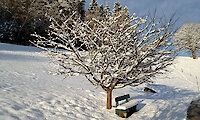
(28,92)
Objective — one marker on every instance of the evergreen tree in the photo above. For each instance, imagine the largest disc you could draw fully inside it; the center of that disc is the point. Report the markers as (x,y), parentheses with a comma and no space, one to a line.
(121,15)
(24,17)
(80,8)
(126,12)
(117,8)
(101,11)
(94,11)
(107,10)
(92,6)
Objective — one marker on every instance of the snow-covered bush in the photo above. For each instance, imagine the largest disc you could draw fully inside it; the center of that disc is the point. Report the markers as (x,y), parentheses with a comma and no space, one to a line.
(188,38)
(115,57)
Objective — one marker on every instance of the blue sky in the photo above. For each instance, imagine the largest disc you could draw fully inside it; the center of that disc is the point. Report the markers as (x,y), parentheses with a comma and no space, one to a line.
(187,10)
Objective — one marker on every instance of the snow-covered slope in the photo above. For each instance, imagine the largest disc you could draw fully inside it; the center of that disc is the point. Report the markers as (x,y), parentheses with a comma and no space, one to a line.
(28,92)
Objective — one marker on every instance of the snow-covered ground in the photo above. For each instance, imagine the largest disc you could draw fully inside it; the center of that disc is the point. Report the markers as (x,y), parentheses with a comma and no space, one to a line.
(28,92)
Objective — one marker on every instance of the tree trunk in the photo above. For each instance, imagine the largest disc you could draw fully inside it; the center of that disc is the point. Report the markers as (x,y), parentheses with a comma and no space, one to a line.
(194,54)
(109,99)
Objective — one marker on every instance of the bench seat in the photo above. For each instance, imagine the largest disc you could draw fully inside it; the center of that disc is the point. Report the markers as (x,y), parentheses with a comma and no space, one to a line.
(127,109)
(127,105)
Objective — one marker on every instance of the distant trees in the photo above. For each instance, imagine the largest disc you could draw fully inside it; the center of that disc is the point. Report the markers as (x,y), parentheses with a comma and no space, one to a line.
(188,38)
(94,11)
(118,52)
(13,12)
(21,18)
(101,13)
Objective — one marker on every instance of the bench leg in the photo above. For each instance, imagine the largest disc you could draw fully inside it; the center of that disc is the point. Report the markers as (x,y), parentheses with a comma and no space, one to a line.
(126,113)
(123,115)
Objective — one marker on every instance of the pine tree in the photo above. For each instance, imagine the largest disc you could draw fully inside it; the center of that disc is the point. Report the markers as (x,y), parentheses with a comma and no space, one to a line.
(101,10)
(95,11)
(107,10)
(25,17)
(126,12)
(121,15)
(80,8)
(93,6)
(116,8)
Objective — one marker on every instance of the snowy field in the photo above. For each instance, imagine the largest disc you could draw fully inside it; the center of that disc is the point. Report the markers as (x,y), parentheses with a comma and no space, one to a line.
(28,92)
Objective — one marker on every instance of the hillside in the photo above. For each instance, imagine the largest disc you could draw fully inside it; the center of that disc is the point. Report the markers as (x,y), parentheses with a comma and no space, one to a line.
(29,92)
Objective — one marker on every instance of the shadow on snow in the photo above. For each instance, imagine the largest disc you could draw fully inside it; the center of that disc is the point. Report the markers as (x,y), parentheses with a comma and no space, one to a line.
(171,103)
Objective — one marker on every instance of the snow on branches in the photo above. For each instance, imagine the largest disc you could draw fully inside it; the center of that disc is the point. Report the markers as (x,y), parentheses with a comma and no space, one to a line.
(188,38)
(109,56)
(113,57)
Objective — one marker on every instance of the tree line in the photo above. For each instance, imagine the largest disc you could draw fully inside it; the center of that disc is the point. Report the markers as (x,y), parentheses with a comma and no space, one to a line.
(21,18)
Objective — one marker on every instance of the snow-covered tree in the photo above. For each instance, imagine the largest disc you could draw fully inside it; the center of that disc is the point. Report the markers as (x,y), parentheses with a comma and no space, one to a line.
(122,15)
(188,38)
(107,10)
(113,58)
(126,12)
(94,11)
(117,8)
(92,6)
(59,9)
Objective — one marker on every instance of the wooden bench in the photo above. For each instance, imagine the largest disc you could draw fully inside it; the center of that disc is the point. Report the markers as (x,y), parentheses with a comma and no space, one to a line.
(126,109)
